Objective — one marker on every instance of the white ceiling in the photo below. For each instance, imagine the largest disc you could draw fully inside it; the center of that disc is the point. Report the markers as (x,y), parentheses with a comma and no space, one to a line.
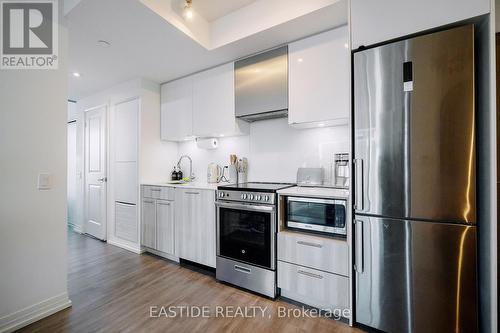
(211,10)
(144,45)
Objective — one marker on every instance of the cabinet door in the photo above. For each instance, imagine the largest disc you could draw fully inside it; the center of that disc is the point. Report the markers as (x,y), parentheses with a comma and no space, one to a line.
(195,225)
(184,225)
(177,109)
(206,223)
(213,101)
(319,79)
(148,223)
(373,22)
(165,226)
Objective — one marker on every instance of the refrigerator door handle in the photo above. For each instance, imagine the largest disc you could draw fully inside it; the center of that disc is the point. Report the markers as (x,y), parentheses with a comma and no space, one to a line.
(358,184)
(358,246)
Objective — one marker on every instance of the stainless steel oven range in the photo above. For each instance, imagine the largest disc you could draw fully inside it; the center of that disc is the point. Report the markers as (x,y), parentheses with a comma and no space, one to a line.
(246,236)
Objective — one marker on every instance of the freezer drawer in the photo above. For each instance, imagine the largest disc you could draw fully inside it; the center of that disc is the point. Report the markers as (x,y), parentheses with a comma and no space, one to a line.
(415,276)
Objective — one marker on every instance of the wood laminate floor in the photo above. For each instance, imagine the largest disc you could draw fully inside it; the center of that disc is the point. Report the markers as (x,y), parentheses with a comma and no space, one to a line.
(112,290)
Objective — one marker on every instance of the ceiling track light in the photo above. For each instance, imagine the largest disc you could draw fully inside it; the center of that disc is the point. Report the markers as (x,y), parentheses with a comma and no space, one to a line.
(188,9)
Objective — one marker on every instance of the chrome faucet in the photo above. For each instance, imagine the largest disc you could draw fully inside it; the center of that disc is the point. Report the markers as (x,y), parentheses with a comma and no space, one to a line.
(191,175)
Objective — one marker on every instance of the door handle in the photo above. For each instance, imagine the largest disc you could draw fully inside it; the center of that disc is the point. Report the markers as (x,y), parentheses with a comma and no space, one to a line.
(102,180)
(358,246)
(358,184)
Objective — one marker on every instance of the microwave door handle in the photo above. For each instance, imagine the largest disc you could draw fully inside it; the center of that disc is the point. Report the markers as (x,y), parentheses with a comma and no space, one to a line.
(358,185)
(358,246)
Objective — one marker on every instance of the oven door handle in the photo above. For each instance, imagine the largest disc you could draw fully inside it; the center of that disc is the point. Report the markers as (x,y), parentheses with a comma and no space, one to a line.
(254,208)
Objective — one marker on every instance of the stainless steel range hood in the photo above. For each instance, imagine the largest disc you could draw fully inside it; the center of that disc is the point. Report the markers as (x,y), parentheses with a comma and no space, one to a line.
(261,85)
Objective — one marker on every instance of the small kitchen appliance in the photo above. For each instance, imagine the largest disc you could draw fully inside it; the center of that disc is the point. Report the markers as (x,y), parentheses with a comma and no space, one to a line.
(310,176)
(214,173)
(341,170)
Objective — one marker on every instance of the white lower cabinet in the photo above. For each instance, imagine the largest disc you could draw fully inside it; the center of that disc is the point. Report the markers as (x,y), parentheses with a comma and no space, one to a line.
(323,253)
(313,287)
(313,270)
(165,226)
(157,223)
(195,225)
(148,234)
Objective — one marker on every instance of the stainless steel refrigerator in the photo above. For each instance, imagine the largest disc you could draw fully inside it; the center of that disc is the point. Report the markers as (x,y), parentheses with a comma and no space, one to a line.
(415,184)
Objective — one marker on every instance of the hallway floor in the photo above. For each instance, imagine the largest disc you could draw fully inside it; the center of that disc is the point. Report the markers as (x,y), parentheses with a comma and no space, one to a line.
(113,290)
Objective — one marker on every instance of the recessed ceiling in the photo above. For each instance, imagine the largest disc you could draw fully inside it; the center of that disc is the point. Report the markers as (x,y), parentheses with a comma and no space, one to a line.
(212,10)
(145,45)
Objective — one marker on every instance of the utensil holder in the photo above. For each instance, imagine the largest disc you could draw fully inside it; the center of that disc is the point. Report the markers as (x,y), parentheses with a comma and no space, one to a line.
(233,174)
(242,177)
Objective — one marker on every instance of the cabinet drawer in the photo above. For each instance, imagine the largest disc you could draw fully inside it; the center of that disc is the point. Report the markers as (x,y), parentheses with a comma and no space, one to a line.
(315,288)
(158,192)
(329,255)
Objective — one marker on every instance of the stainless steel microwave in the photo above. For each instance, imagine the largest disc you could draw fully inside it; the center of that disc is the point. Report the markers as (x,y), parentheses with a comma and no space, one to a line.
(326,216)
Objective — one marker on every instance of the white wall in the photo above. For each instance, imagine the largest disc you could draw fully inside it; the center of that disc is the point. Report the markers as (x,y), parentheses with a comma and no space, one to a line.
(33,122)
(274,150)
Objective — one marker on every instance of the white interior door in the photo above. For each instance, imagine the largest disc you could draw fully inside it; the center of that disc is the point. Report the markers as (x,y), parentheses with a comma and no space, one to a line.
(95,172)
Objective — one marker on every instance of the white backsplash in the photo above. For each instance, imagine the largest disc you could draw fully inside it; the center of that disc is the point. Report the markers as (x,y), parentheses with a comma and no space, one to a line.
(274,150)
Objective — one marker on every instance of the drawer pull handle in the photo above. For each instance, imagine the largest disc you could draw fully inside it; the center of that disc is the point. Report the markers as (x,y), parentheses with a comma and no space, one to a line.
(242,269)
(192,192)
(310,244)
(316,276)
(156,189)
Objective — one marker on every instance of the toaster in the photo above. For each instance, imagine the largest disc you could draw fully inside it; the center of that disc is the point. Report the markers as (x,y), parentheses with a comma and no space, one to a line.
(309,176)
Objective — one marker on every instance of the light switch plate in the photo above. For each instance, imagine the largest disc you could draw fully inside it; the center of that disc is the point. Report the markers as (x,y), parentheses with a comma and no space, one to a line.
(44,181)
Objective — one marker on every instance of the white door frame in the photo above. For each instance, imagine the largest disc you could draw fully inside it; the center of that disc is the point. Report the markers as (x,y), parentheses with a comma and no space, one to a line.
(101,235)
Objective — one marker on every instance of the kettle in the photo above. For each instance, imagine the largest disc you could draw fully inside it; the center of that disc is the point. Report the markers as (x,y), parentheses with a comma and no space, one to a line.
(214,173)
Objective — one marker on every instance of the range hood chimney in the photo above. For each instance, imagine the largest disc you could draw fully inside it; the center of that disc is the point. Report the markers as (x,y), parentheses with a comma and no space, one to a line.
(261,85)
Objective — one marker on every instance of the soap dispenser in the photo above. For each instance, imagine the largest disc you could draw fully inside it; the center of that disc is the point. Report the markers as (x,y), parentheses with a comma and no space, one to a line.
(174,175)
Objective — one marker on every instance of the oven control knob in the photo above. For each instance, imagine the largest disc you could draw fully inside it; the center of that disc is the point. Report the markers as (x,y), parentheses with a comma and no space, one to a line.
(221,194)
(258,197)
(250,196)
(243,196)
(266,198)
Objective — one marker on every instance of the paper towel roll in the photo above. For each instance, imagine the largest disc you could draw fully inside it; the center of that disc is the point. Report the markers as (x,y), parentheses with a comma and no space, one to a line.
(210,143)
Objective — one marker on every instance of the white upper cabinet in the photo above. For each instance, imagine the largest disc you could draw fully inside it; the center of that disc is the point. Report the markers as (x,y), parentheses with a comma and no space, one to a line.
(319,80)
(200,105)
(213,103)
(177,109)
(379,21)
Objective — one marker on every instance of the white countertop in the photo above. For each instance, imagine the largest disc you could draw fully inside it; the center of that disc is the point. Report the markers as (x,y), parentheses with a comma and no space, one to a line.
(196,185)
(315,192)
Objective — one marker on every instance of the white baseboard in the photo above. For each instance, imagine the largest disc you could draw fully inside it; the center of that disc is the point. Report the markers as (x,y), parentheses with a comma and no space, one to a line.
(125,246)
(30,314)
(76,228)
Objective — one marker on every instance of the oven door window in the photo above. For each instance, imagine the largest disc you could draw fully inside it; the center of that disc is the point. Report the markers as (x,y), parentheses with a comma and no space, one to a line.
(245,236)
(315,213)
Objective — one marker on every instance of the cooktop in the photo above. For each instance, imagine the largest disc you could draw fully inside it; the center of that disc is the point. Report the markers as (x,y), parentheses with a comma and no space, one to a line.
(255,186)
